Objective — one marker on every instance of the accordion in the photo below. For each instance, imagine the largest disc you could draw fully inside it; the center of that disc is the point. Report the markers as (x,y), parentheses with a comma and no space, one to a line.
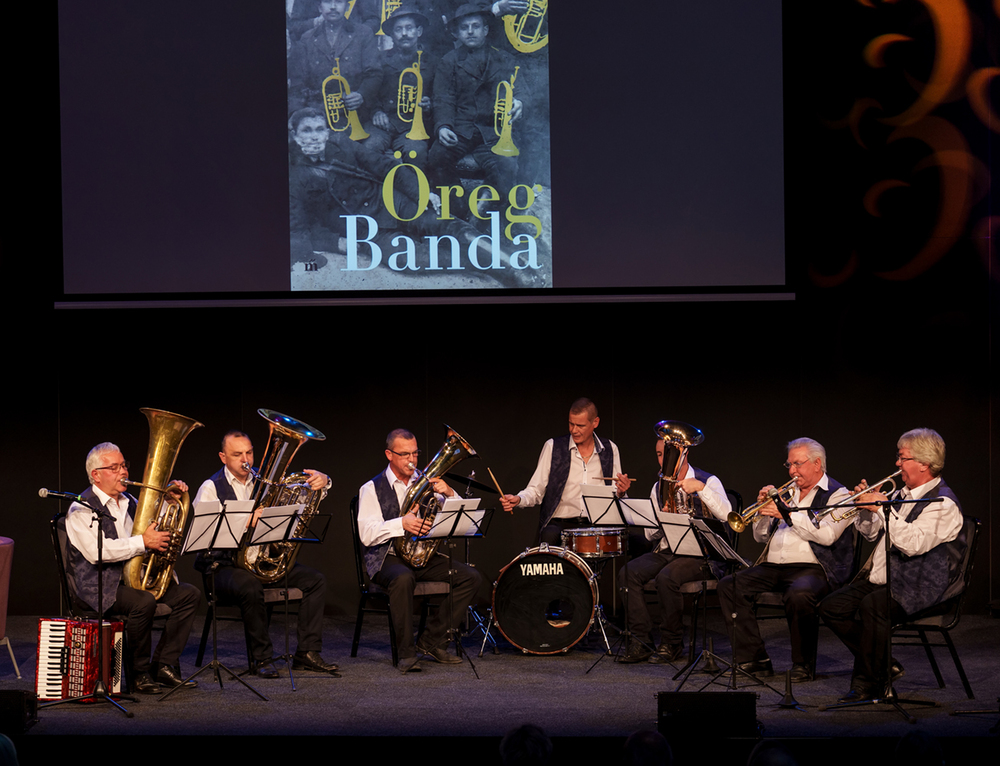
(68,658)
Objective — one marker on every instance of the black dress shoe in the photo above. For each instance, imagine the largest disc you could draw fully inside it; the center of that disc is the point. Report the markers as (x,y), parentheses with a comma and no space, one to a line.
(264,671)
(439,654)
(144,684)
(760,668)
(856,695)
(802,673)
(666,653)
(636,653)
(896,670)
(170,677)
(313,661)
(409,665)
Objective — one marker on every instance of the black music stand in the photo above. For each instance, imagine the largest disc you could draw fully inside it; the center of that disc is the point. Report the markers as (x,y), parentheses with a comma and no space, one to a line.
(458,517)
(216,528)
(888,695)
(279,524)
(100,692)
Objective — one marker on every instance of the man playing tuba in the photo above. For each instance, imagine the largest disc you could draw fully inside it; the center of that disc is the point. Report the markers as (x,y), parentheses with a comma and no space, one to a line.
(379,522)
(107,470)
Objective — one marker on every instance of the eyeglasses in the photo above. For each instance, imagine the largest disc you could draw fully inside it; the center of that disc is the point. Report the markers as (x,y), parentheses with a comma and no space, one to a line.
(116,468)
(415,453)
(901,459)
(797,463)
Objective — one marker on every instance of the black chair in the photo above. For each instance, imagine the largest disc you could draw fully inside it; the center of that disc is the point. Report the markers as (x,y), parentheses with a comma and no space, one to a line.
(944,616)
(371,592)
(272,597)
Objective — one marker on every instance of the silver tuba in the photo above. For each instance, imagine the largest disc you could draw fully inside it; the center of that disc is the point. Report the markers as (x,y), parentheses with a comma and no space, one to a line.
(421,496)
(677,438)
(274,487)
(153,572)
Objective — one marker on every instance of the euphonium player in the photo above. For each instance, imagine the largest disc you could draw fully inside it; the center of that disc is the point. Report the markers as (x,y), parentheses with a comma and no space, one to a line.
(801,561)
(240,587)
(379,522)
(107,470)
(704,494)
(925,557)
(397,95)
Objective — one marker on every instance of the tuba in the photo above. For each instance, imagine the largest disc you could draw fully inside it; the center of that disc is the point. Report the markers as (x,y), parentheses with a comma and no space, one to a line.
(420,495)
(269,562)
(408,98)
(677,438)
(502,106)
(338,116)
(153,572)
(525,31)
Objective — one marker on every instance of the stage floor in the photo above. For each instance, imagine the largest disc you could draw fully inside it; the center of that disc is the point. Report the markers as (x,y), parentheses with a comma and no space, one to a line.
(372,699)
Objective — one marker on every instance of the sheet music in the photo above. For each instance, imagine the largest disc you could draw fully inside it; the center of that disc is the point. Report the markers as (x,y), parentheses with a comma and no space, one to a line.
(600,503)
(205,520)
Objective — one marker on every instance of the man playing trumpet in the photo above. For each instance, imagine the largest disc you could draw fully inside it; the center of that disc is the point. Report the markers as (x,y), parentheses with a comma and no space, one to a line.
(925,557)
(802,561)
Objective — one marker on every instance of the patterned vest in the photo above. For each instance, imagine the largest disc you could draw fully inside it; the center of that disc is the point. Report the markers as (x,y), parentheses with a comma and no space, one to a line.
(389,503)
(226,558)
(83,574)
(559,472)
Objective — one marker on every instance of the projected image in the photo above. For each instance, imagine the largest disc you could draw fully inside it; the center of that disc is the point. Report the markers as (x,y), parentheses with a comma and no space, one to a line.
(418,151)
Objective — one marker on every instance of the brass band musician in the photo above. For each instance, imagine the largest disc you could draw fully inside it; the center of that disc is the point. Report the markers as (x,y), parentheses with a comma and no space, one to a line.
(802,561)
(107,470)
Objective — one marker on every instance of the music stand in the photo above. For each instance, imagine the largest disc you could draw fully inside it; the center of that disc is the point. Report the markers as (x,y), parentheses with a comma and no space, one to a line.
(100,692)
(217,526)
(457,517)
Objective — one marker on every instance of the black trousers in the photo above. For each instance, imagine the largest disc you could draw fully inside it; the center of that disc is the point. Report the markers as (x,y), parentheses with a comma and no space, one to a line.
(803,586)
(860,615)
(669,572)
(139,607)
(400,579)
(238,586)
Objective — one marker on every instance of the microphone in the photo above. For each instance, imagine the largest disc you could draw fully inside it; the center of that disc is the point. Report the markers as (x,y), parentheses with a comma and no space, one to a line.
(43,492)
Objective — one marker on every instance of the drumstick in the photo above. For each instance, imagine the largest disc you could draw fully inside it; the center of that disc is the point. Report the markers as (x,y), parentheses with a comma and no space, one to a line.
(497,485)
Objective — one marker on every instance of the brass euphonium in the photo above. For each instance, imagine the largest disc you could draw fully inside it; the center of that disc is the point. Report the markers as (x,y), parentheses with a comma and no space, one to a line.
(421,496)
(677,438)
(502,107)
(525,31)
(338,116)
(273,487)
(408,98)
(153,572)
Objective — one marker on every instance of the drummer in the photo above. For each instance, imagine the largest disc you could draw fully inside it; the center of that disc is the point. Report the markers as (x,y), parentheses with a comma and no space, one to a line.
(565,463)
(701,494)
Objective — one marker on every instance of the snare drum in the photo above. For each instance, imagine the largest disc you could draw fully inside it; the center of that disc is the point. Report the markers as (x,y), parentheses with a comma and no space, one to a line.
(544,600)
(596,542)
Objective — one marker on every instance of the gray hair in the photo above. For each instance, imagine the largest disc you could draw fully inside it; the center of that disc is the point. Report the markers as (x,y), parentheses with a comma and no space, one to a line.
(813,450)
(397,433)
(926,446)
(94,457)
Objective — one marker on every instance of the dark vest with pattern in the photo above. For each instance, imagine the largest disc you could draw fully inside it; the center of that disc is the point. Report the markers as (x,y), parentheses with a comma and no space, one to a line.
(226,558)
(838,558)
(389,503)
(83,574)
(920,582)
(559,472)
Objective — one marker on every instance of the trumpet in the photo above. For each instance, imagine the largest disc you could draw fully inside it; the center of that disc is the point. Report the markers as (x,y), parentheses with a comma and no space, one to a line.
(740,521)
(338,116)
(503,105)
(408,98)
(850,510)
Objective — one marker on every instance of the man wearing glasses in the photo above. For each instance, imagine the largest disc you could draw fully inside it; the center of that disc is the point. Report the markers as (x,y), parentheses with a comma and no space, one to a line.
(379,521)
(238,586)
(926,555)
(107,470)
(801,560)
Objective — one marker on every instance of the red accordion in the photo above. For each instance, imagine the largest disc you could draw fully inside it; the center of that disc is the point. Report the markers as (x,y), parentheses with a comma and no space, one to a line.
(68,662)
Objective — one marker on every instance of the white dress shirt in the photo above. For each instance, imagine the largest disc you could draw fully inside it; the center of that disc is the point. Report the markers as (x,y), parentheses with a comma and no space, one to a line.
(580,472)
(790,545)
(940,522)
(81,529)
(373,529)
(713,497)
(208,493)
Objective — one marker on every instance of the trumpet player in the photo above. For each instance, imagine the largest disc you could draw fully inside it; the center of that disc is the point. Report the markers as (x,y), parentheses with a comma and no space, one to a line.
(396,118)
(107,470)
(802,561)
(702,494)
(925,559)
(240,587)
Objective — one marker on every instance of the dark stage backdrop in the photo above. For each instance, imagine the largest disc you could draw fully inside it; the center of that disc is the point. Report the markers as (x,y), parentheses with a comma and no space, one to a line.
(891,327)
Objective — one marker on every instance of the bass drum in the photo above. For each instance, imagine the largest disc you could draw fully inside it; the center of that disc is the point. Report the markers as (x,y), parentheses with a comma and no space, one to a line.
(544,600)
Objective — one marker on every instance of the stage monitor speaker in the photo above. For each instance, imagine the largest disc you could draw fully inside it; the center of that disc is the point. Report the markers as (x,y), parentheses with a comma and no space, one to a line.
(18,711)
(694,714)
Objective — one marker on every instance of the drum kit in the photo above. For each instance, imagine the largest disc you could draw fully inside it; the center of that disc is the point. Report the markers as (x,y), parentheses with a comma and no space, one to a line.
(546,599)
